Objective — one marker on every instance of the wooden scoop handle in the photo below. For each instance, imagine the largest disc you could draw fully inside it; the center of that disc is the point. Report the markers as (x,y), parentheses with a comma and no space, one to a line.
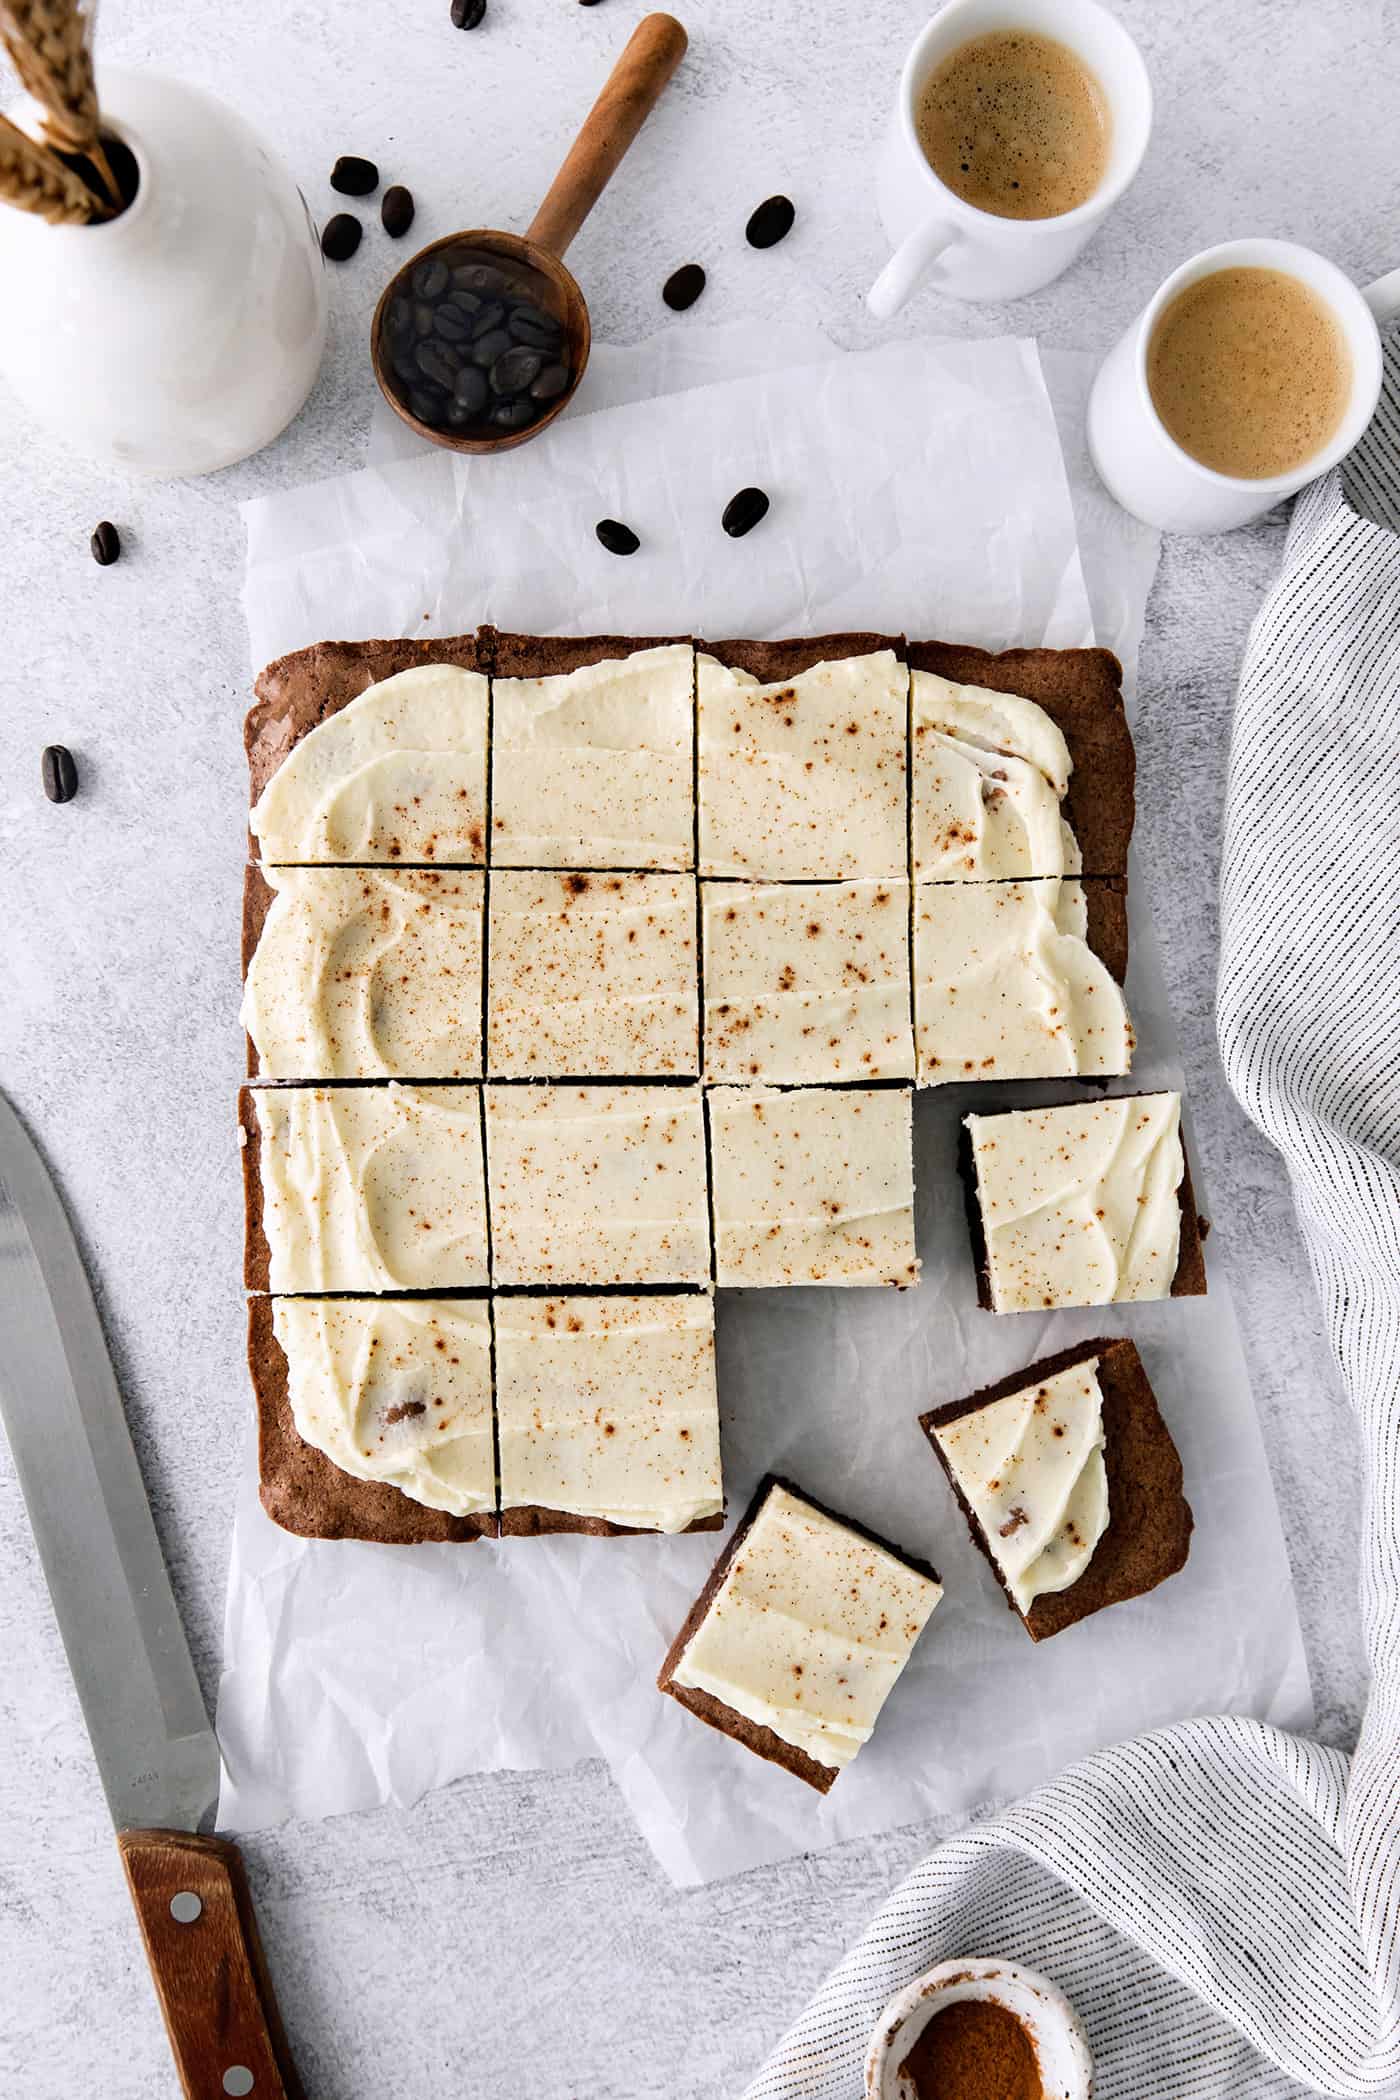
(630,92)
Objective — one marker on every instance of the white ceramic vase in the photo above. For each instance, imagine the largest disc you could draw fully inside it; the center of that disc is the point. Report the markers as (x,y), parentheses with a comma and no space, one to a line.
(186,333)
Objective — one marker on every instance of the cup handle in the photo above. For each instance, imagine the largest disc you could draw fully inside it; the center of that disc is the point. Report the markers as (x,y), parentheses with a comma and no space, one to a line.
(906,266)
(1383,298)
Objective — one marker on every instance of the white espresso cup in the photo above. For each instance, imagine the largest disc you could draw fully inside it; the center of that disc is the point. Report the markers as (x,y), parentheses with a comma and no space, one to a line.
(1144,467)
(972,254)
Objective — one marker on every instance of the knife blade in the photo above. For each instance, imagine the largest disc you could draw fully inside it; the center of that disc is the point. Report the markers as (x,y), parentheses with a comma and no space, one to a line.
(155,1749)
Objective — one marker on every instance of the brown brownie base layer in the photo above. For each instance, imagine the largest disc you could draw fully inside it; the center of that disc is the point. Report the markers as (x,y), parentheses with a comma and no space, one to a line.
(1150,1521)
(1106,904)
(258,895)
(304,1492)
(257,1255)
(752,1734)
(771,662)
(1082,692)
(551,656)
(531,1520)
(1190,1278)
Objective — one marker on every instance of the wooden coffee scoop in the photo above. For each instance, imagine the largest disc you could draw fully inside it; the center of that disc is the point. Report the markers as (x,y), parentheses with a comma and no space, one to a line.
(631,90)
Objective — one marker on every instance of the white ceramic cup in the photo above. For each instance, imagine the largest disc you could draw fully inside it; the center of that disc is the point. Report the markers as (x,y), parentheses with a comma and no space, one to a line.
(972,254)
(1062,2051)
(1145,468)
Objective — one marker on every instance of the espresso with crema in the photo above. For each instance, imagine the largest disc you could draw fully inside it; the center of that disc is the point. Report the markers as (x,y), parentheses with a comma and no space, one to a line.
(1016,124)
(1250,372)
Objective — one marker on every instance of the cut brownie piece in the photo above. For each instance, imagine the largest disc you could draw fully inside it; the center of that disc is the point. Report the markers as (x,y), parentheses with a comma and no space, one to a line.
(1085,1204)
(1080,690)
(363,973)
(608,1415)
(597,1185)
(371,752)
(1069,1481)
(807,983)
(1016,980)
(797,1639)
(363,1188)
(375,1369)
(593,976)
(593,752)
(803,758)
(813,1185)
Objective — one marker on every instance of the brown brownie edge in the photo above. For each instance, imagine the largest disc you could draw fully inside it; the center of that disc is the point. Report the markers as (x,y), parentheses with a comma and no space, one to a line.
(257,1255)
(306,1493)
(533,1520)
(258,897)
(770,662)
(1106,904)
(752,1734)
(1150,1521)
(552,656)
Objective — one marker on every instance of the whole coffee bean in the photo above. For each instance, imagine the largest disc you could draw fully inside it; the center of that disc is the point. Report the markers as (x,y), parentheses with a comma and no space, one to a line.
(683,287)
(396,211)
(588,3)
(105,544)
(403,363)
(514,370)
(470,390)
(433,365)
(452,325)
(340,237)
(398,321)
(60,773)
(529,316)
(354,177)
(467,14)
(512,415)
(487,348)
(618,539)
(424,317)
(430,279)
(550,384)
(490,314)
(771,222)
(743,512)
(428,404)
(478,277)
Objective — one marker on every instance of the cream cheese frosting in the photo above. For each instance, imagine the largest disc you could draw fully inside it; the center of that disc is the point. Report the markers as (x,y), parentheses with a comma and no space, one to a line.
(808,1630)
(805,983)
(804,779)
(607,1407)
(593,768)
(1031,1467)
(397,1390)
(593,975)
(372,1188)
(368,973)
(1006,985)
(597,1184)
(398,775)
(1080,1205)
(813,1186)
(990,772)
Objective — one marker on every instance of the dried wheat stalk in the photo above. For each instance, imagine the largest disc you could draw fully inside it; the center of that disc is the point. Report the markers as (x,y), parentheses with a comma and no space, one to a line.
(35,179)
(49,46)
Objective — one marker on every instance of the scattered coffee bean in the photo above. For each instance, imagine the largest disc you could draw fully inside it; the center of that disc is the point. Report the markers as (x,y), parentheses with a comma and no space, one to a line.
(618,539)
(487,348)
(514,370)
(470,391)
(588,3)
(467,14)
(430,279)
(743,512)
(60,773)
(771,222)
(105,544)
(433,365)
(683,287)
(512,415)
(354,177)
(550,384)
(396,211)
(340,237)
(479,278)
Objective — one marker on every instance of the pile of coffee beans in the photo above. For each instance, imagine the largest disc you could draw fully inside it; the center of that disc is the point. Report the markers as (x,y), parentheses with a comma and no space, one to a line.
(472,347)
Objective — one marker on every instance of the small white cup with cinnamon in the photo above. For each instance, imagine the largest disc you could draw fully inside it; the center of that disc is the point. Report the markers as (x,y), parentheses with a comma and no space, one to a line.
(991,2006)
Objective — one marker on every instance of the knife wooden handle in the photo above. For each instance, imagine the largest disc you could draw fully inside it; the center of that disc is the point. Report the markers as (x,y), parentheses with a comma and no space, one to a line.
(191,1896)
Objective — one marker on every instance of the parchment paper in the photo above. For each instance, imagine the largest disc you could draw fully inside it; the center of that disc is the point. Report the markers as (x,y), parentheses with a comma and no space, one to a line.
(919,487)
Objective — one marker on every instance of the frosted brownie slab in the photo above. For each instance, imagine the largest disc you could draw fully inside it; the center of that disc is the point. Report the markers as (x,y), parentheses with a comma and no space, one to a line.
(363,973)
(593,976)
(363,1188)
(607,1414)
(815,1185)
(807,982)
(597,1185)
(800,1634)
(1016,980)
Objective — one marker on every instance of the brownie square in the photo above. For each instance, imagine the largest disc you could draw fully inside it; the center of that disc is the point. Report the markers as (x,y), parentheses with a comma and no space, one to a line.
(920,1595)
(304,1492)
(1150,1522)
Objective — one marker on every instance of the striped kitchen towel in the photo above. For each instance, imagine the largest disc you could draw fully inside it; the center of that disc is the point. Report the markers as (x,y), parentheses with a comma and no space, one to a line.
(1220,1900)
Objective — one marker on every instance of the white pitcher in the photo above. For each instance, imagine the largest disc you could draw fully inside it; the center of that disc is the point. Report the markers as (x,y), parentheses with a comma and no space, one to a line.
(186,333)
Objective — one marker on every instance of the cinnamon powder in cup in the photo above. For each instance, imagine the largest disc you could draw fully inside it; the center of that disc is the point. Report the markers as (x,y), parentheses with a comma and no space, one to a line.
(974,2050)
